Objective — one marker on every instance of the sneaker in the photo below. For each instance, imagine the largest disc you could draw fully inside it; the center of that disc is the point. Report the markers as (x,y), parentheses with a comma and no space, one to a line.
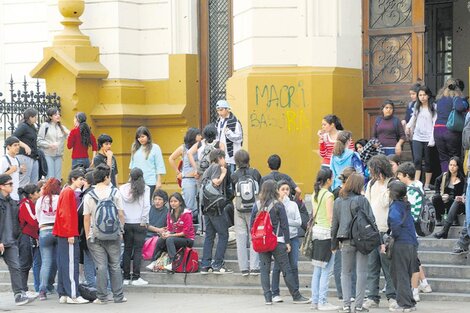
(222,270)
(277,299)
(369,303)
(139,282)
(401,309)
(255,272)
(425,288)
(42,295)
(78,300)
(392,303)
(151,265)
(99,301)
(426,188)
(169,267)
(22,299)
(267,302)
(62,299)
(353,299)
(206,270)
(458,250)
(327,307)
(416,297)
(32,294)
(122,300)
(314,306)
(245,272)
(361,309)
(345,309)
(302,300)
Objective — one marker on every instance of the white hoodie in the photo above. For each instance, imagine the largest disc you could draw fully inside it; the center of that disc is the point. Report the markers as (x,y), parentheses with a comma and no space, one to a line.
(293,216)
(135,211)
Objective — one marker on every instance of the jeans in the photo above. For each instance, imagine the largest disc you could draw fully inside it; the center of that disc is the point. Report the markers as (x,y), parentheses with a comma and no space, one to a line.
(10,256)
(388,150)
(420,151)
(214,225)
(243,239)
(152,190)
(54,166)
(189,191)
(379,261)
(48,249)
(68,256)
(280,255)
(106,256)
(337,274)
(320,279)
(351,256)
(83,161)
(171,245)
(28,253)
(89,268)
(403,263)
(464,239)
(31,176)
(134,238)
(293,262)
(448,144)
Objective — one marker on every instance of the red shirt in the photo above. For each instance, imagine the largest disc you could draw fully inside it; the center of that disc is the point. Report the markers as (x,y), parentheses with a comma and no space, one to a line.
(74,142)
(27,217)
(66,219)
(327,147)
(184,224)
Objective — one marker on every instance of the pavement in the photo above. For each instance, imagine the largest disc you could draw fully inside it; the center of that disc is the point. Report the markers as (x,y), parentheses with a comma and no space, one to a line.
(207,303)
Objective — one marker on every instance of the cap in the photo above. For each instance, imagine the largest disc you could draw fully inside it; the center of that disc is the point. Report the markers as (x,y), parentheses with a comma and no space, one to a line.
(222,104)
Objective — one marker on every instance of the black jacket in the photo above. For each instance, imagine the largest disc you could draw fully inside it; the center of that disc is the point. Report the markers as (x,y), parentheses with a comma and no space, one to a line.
(28,134)
(9,204)
(344,210)
(458,189)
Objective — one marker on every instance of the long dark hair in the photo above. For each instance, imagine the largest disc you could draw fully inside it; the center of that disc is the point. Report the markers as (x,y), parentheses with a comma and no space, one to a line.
(333,119)
(268,193)
(322,177)
(190,137)
(29,112)
(418,104)
(137,183)
(54,111)
(142,130)
(460,172)
(176,215)
(27,191)
(379,166)
(85,131)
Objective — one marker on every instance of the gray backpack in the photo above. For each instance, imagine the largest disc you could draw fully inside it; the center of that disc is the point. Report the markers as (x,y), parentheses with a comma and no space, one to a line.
(106,224)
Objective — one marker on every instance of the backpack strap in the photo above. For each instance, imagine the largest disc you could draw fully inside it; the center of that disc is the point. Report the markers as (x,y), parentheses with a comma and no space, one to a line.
(94,196)
(443,183)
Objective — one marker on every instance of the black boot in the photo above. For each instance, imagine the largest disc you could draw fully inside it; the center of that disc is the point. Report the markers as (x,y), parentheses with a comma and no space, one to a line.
(443,233)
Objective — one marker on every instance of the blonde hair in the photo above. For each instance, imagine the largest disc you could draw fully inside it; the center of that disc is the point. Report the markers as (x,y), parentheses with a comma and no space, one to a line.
(450,89)
(341,141)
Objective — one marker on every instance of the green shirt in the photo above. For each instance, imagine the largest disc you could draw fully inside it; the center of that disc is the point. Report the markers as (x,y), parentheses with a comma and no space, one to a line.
(414,198)
(320,208)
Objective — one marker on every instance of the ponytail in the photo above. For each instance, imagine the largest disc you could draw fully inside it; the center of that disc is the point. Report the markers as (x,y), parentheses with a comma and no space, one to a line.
(322,177)
(341,141)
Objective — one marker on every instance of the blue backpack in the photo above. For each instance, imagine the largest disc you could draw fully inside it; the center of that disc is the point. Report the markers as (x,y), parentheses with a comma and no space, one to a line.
(106,224)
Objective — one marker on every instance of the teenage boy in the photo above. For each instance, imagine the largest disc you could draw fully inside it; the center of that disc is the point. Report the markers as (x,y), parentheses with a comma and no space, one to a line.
(215,221)
(406,174)
(9,233)
(106,253)
(274,164)
(105,156)
(10,164)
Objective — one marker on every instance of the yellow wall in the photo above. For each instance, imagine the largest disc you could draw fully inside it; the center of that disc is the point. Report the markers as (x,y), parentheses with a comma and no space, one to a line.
(281,109)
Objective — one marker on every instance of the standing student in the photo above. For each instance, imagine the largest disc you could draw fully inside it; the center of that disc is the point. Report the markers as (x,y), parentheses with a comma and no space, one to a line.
(327,135)
(274,164)
(79,140)
(106,156)
(343,157)
(11,165)
(10,231)
(26,132)
(66,230)
(147,156)
(388,130)
(51,140)
(28,242)
(136,205)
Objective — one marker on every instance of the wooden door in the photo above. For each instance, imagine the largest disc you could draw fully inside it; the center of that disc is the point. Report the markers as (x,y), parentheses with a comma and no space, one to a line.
(393,54)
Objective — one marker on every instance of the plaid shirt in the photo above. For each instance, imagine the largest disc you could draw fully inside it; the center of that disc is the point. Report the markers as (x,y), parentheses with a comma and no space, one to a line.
(373,147)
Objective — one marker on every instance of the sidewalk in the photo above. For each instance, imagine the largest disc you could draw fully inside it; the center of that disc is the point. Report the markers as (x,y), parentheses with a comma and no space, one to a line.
(197,303)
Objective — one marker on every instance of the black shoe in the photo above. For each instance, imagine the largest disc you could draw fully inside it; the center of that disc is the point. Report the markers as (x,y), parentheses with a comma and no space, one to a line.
(361,309)
(206,270)
(458,250)
(302,300)
(441,235)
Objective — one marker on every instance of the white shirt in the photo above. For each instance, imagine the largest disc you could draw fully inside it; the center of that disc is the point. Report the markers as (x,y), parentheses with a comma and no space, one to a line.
(15,176)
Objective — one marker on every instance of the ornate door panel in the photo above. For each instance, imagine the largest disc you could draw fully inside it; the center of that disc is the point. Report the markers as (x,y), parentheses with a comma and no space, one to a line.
(393,43)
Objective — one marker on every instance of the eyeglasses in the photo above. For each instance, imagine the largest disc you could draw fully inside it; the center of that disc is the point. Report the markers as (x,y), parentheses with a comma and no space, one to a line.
(8,184)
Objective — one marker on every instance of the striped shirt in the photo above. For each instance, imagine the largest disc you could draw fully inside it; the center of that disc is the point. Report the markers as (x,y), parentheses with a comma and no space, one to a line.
(327,147)
(414,198)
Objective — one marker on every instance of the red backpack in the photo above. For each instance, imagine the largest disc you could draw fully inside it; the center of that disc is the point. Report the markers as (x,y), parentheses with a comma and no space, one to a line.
(263,237)
(186,261)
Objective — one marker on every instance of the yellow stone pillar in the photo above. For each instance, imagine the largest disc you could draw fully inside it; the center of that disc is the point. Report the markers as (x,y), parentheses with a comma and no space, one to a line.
(72,69)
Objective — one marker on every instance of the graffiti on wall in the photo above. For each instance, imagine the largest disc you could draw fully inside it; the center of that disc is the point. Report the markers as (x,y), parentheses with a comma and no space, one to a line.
(280,106)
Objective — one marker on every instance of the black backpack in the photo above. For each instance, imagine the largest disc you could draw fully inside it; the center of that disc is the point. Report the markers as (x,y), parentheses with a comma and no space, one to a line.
(364,232)
(427,215)
(246,188)
(213,200)
(204,163)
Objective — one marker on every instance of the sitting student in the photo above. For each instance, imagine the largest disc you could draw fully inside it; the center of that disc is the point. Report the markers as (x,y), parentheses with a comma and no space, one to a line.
(105,156)
(448,198)
(180,231)
(404,253)
(406,174)
(274,163)
(157,215)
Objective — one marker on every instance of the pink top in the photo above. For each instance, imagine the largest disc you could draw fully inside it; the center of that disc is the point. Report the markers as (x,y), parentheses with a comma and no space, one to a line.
(184,224)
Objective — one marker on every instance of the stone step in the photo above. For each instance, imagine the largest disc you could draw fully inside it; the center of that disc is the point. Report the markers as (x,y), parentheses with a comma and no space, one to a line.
(448,271)
(443,257)
(454,231)
(433,244)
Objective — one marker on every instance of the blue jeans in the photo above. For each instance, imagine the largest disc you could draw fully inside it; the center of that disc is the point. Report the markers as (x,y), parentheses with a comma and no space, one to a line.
(320,280)
(31,176)
(388,150)
(214,225)
(337,273)
(89,268)
(467,205)
(189,189)
(378,261)
(293,261)
(48,249)
(29,257)
(54,166)
(84,161)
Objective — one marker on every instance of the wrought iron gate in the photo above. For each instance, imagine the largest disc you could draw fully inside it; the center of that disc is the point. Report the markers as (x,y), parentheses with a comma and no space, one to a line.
(11,110)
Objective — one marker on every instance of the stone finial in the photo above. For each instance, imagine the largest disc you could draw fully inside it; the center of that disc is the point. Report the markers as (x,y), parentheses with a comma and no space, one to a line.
(71,35)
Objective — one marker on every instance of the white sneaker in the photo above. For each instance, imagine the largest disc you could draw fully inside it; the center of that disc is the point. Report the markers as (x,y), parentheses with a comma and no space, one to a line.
(32,294)
(139,282)
(78,300)
(416,297)
(392,304)
(327,307)
(151,265)
(425,288)
(126,282)
(369,303)
(63,299)
(277,299)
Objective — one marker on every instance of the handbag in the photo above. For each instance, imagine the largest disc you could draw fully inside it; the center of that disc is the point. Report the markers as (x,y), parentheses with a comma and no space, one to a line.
(456,120)
(161,262)
(306,248)
(149,248)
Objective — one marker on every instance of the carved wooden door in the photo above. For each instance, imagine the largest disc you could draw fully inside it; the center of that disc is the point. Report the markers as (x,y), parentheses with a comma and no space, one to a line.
(393,54)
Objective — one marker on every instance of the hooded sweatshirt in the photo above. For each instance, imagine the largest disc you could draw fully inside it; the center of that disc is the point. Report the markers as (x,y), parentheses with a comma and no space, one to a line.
(27,217)
(66,220)
(339,163)
(184,224)
(135,211)
(293,216)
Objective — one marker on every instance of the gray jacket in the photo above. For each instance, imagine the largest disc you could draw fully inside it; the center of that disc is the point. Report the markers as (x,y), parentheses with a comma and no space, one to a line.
(343,212)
